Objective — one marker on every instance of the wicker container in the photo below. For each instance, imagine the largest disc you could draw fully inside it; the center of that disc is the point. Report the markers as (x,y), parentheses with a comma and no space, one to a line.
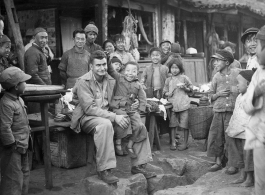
(200,119)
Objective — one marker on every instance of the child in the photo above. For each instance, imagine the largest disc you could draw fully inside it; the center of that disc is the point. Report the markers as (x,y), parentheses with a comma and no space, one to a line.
(14,133)
(250,43)
(176,89)
(5,46)
(254,105)
(120,52)
(237,157)
(127,90)
(154,76)
(116,63)
(224,93)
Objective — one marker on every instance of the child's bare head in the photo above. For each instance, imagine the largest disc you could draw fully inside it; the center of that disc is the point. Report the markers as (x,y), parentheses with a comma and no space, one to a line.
(155,54)
(131,70)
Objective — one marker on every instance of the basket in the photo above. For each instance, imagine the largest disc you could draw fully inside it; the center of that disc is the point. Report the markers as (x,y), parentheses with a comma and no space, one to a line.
(200,119)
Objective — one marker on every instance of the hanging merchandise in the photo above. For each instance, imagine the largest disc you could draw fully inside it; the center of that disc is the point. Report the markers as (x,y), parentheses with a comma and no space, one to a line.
(141,26)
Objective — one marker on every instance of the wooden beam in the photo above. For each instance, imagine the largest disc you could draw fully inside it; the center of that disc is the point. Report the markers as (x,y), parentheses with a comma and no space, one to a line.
(225,28)
(133,5)
(240,32)
(156,26)
(204,41)
(104,7)
(168,23)
(13,20)
(185,35)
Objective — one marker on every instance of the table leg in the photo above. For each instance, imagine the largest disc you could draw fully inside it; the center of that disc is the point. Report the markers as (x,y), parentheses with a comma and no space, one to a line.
(151,133)
(46,141)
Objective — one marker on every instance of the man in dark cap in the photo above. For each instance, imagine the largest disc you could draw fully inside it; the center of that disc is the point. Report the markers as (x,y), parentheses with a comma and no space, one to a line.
(250,42)
(5,46)
(224,93)
(36,61)
(91,35)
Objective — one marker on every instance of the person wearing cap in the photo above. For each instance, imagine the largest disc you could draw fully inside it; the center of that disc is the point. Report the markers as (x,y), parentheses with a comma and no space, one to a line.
(116,64)
(223,95)
(5,46)
(154,76)
(229,46)
(120,52)
(91,36)
(36,61)
(250,43)
(74,62)
(94,92)
(14,133)
(165,47)
(254,106)
(236,135)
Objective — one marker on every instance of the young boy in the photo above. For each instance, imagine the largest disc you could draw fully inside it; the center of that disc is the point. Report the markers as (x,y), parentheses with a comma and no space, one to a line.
(250,43)
(116,64)
(127,90)
(237,157)
(120,52)
(224,93)
(155,75)
(5,46)
(254,105)
(14,133)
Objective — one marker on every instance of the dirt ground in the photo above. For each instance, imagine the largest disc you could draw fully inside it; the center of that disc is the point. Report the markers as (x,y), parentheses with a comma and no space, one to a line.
(66,181)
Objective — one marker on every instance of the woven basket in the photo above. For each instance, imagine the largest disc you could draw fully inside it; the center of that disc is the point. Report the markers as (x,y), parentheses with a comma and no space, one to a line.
(200,119)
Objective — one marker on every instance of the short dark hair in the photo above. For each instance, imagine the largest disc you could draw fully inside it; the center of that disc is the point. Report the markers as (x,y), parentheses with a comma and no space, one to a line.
(79,30)
(119,37)
(98,54)
(178,61)
(132,63)
(107,41)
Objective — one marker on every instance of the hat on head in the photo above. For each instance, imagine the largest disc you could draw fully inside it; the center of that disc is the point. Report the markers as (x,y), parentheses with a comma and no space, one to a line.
(246,74)
(115,59)
(224,55)
(11,76)
(30,32)
(4,39)
(251,30)
(38,30)
(91,27)
(154,49)
(175,48)
(164,41)
(261,34)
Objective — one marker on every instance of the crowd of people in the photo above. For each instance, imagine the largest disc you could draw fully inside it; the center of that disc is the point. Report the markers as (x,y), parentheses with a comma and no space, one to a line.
(109,98)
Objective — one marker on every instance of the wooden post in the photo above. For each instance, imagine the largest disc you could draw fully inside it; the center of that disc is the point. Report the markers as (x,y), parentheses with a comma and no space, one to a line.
(185,35)
(168,24)
(240,32)
(104,7)
(225,29)
(205,45)
(155,26)
(13,20)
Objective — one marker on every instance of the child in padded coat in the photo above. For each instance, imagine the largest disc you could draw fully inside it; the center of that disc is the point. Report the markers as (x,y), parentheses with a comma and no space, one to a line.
(176,89)
(128,88)
(14,134)
(254,105)
(236,135)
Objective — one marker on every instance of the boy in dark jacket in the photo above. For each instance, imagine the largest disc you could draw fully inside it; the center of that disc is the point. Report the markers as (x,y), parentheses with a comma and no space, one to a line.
(14,133)
(5,46)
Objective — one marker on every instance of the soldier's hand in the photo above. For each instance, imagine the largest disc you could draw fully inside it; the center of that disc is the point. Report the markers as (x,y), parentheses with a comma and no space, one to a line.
(122,120)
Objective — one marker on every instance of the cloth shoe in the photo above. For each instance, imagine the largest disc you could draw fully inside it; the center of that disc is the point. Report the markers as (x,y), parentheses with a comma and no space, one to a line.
(139,169)
(107,177)
(231,171)
(215,167)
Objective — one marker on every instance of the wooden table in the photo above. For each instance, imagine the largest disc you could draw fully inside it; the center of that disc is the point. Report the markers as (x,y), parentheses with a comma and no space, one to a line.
(153,127)
(44,95)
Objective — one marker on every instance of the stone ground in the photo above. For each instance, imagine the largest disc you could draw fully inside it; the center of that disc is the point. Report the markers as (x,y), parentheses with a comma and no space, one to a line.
(183,172)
